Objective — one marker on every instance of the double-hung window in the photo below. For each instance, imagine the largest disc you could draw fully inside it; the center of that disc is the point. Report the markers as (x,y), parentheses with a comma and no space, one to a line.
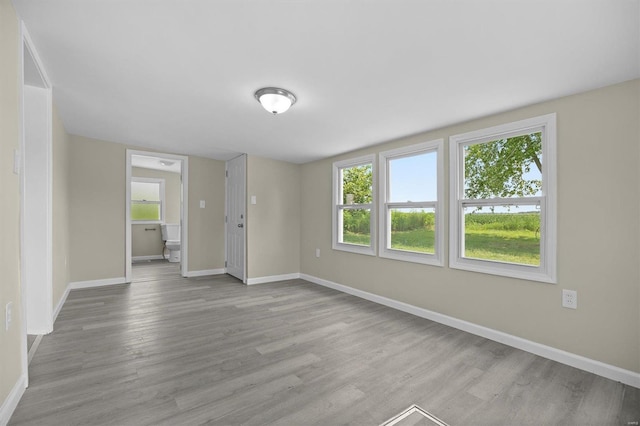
(147,200)
(353,205)
(411,188)
(503,200)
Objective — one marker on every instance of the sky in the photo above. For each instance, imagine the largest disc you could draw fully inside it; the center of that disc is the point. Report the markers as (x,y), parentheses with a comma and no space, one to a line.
(414,178)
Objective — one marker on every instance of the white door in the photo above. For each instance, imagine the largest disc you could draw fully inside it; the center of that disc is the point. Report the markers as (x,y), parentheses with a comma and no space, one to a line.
(236,199)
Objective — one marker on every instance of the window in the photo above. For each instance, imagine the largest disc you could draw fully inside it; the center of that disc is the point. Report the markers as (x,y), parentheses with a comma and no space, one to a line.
(147,200)
(411,188)
(503,200)
(354,215)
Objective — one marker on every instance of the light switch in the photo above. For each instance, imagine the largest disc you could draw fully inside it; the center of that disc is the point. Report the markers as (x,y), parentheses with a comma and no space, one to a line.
(253,199)
(202,204)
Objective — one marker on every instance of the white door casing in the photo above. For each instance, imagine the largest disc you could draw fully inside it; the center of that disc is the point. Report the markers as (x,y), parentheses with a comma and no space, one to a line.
(36,210)
(236,215)
(184,208)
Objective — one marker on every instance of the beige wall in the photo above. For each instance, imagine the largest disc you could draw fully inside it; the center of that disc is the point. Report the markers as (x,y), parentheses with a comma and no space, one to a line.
(206,226)
(60,220)
(598,238)
(10,341)
(273,223)
(97,211)
(144,241)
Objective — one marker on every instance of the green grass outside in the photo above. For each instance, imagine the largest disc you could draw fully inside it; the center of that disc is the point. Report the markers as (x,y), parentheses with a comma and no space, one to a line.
(145,212)
(515,246)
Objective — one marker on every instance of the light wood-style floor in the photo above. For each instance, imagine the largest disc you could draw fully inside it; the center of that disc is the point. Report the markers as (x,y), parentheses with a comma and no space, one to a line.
(175,351)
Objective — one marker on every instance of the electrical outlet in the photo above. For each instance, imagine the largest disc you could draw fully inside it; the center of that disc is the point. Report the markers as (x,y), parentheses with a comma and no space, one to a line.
(570,299)
(8,312)
(317,252)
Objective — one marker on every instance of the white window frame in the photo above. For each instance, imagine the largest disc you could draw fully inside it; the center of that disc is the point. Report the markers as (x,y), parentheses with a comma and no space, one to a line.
(161,202)
(546,271)
(338,166)
(385,249)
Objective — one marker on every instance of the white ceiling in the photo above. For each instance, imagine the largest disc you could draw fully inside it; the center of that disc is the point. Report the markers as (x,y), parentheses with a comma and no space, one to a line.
(179,75)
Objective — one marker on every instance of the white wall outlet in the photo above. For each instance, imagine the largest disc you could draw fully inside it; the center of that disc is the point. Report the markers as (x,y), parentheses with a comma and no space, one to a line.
(8,313)
(317,252)
(570,299)
(202,204)
(253,199)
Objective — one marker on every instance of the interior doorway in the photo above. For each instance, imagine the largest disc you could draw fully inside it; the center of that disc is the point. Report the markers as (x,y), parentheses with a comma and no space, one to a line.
(168,175)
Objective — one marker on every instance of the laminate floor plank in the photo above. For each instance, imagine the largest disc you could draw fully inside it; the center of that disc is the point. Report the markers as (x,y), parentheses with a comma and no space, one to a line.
(167,350)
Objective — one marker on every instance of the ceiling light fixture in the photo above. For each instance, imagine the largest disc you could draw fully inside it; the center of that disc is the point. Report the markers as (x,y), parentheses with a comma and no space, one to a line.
(275,100)
(167,163)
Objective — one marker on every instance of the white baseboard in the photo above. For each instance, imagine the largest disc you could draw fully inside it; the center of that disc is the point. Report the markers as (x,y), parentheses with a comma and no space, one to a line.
(63,299)
(205,272)
(151,257)
(272,278)
(612,372)
(11,402)
(96,283)
(34,348)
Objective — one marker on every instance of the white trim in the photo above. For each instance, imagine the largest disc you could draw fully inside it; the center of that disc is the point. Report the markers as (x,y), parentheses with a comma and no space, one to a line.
(272,278)
(184,209)
(546,272)
(23,290)
(60,303)
(612,372)
(34,347)
(436,259)
(96,283)
(11,402)
(205,272)
(409,411)
(336,222)
(150,257)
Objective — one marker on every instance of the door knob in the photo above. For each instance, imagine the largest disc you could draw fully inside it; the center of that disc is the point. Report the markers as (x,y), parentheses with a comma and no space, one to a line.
(240,225)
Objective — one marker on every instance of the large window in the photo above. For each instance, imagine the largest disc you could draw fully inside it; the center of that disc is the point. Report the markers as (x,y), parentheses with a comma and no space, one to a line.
(353,205)
(503,202)
(147,200)
(411,190)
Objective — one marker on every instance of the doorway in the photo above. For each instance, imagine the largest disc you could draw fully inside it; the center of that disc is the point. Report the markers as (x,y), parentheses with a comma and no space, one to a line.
(168,175)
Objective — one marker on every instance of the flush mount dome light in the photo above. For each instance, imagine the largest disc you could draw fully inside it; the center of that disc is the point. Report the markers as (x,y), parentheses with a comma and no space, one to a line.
(167,163)
(275,100)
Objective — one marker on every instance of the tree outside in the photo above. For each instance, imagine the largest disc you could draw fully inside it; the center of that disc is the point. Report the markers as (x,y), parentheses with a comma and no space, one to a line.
(503,168)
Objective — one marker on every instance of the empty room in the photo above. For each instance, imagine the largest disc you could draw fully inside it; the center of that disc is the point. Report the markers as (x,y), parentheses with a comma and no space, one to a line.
(305,212)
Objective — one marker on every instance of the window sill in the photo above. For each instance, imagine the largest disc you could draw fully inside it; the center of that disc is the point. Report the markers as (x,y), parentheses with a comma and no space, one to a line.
(352,248)
(414,257)
(524,272)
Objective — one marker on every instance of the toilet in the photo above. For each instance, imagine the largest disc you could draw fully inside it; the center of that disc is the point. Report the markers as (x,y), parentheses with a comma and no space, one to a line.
(171,238)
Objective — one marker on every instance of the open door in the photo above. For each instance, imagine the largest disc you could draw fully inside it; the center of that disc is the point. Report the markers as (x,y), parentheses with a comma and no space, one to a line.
(236,214)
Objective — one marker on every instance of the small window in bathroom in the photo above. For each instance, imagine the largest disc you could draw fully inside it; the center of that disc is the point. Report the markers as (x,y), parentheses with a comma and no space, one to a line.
(147,200)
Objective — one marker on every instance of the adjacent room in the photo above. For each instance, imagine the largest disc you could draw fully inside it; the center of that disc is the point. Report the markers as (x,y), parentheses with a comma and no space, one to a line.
(317,212)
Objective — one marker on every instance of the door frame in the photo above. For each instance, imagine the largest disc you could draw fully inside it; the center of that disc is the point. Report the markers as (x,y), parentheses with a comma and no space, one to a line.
(27,50)
(184,209)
